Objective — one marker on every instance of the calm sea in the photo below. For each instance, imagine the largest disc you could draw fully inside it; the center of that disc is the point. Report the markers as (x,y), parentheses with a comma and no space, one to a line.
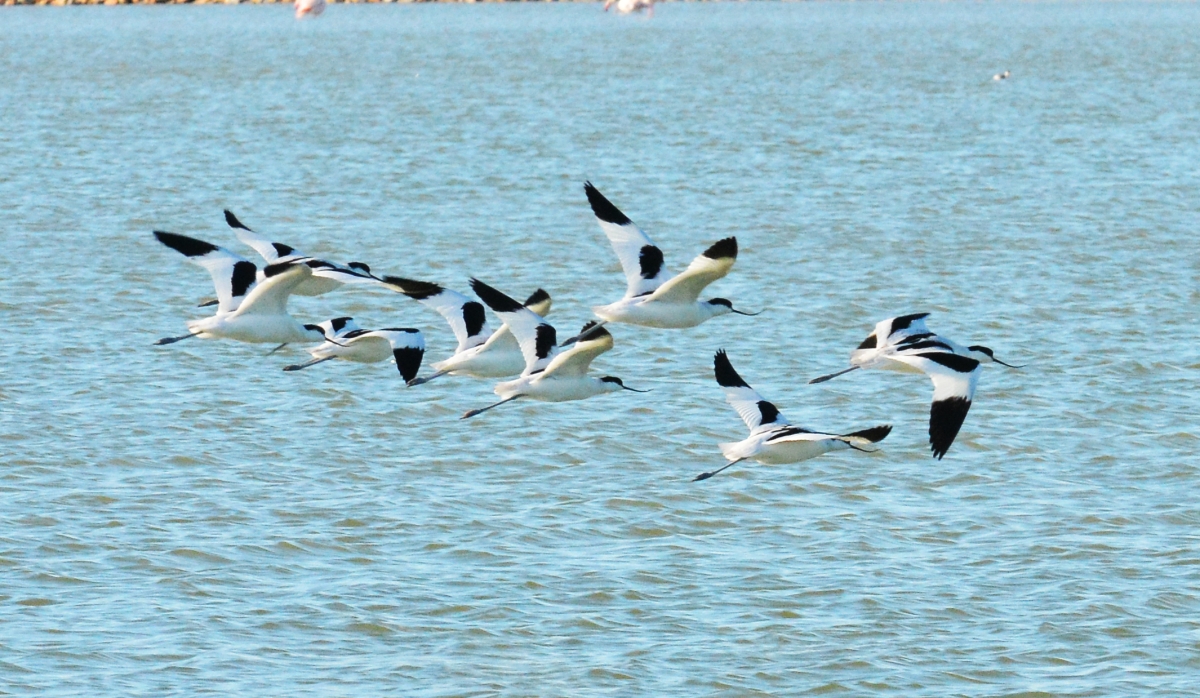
(190,520)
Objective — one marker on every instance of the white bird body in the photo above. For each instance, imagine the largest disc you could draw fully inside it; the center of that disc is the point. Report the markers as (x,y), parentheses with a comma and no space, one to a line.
(904,344)
(481,353)
(652,299)
(345,340)
(550,374)
(327,276)
(628,6)
(773,440)
(262,317)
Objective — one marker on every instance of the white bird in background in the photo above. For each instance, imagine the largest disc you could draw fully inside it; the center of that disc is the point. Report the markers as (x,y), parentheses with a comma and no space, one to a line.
(650,298)
(627,6)
(1001,76)
(348,342)
(550,375)
(773,440)
(327,275)
(906,345)
(233,276)
(481,353)
(311,8)
(262,315)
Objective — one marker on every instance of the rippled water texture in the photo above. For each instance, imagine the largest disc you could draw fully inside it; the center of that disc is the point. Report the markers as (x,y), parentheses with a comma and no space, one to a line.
(190,519)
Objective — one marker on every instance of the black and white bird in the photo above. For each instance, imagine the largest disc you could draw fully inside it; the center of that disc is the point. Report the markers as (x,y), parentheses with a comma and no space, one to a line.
(550,375)
(262,315)
(327,275)
(481,353)
(773,440)
(345,340)
(906,345)
(233,275)
(1001,76)
(652,298)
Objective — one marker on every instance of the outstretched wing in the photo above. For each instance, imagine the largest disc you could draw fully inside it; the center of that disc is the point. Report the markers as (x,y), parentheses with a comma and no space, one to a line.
(954,380)
(466,317)
(714,263)
(538,340)
(271,251)
(894,330)
(756,412)
(574,362)
(271,295)
(338,326)
(640,258)
(233,276)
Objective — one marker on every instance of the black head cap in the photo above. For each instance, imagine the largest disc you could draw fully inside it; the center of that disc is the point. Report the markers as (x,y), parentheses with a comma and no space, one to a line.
(495,300)
(721,301)
(360,266)
(537,297)
(594,334)
(416,290)
(982,350)
(722,249)
(315,328)
(603,208)
(612,379)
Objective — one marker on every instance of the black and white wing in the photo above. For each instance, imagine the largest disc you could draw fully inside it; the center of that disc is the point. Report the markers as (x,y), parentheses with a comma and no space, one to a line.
(408,348)
(954,380)
(270,296)
(640,258)
(233,276)
(538,340)
(894,330)
(466,317)
(756,412)
(574,362)
(272,252)
(714,263)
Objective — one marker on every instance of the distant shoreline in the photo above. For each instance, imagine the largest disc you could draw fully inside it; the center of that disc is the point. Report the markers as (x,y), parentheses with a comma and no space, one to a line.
(239,2)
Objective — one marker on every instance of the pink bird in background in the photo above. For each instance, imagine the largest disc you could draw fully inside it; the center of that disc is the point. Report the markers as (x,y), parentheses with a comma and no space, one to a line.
(309,7)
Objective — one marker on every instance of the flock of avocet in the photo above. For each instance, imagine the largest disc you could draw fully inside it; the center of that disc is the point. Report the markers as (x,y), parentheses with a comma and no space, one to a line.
(252,307)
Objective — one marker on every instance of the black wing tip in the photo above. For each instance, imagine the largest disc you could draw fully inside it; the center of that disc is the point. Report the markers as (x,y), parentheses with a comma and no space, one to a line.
(726,376)
(416,290)
(945,419)
(603,208)
(233,222)
(187,246)
(494,299)
(408,361)
(277,269)
(594,334)
(536,297)
(723,249)
(874,434)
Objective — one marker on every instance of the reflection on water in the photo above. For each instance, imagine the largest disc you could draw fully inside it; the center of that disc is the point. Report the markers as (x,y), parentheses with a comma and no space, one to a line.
(191,517)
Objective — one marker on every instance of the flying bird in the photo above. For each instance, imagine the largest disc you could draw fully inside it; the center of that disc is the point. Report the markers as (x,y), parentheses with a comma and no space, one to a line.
(262,314)
(652,298)
(312,8)
(345,340)
(773,440)
(627,6)
(906,345)
(327,275)
(481,353)
(550,375)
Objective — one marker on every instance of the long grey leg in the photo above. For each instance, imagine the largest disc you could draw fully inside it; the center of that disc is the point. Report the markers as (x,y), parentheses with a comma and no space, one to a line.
(831,376)
(277,348)
(172,340)
(314,362)
(705,476)
(481,410)
(426,379)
